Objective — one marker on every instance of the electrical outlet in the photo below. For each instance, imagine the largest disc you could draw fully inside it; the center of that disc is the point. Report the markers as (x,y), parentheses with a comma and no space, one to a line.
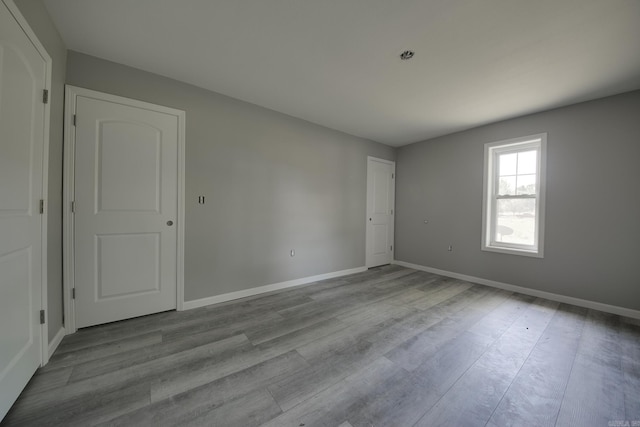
(293,252)
(450,248)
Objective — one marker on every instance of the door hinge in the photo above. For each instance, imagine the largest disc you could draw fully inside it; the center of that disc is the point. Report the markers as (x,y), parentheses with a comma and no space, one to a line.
(45,96)
(73,293)
(73,206)
(391,211)
(42,317)
(391,247)
(393,175)
(74,119)
(41,206)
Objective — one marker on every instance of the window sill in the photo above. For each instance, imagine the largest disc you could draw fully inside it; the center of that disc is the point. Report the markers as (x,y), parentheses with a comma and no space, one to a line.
(513,251)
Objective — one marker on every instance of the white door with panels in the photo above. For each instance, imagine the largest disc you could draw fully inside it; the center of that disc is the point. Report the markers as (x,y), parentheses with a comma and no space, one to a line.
(23,75)
(380,206)
(125,208)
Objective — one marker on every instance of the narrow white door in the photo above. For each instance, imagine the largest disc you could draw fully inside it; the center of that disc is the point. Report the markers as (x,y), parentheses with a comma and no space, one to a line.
(380,205)
(22,80)
(126,203)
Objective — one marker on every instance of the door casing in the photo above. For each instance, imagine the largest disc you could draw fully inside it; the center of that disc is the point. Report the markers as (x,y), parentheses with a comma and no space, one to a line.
(71,94)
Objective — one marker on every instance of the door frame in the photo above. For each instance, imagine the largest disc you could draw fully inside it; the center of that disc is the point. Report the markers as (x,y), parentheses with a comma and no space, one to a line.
(393,208)
(68,249)
(31,35)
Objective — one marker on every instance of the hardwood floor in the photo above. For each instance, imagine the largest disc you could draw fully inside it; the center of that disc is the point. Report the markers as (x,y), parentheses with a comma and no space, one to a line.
(388,347)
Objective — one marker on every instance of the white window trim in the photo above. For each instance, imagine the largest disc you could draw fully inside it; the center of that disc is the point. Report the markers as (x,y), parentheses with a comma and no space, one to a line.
(489,187)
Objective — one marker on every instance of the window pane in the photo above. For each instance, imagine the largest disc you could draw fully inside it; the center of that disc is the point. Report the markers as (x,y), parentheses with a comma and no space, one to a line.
(516,221)
(512,187)
(526,184)
(527,162)
(507,186)
(507,164)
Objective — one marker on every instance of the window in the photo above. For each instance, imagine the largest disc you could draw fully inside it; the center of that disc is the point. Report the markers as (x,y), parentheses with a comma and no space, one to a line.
(514,184)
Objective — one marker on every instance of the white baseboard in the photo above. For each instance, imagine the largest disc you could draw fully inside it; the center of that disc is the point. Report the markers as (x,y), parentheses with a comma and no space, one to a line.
(267,288)
(621,311)
(55,342)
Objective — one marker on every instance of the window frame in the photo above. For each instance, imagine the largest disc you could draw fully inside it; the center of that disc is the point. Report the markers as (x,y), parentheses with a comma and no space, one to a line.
(492,150)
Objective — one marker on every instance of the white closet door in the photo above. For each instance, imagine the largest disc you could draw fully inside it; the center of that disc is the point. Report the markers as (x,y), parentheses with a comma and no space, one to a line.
(22,112)
(380,205)
(126,204)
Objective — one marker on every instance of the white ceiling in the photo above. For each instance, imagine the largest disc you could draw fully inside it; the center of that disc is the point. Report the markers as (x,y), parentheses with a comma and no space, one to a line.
(336,62)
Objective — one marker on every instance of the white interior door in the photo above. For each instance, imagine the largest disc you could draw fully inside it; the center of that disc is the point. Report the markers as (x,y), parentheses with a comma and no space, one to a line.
(22,117)
(126,204)
(380,206)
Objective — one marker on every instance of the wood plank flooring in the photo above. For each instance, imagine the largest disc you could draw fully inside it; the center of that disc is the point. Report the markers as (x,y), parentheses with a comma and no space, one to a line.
(387,347)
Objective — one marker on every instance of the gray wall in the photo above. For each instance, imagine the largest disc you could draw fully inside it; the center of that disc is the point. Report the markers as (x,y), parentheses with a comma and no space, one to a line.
(592,239)
(272,183)
(40,22)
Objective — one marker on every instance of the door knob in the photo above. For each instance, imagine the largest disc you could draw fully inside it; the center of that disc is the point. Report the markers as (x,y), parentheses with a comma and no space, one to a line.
(169,223)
